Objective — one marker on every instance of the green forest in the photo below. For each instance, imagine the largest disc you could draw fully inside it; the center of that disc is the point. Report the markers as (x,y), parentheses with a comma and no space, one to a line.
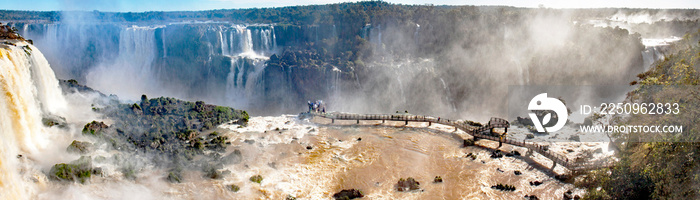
(668,167)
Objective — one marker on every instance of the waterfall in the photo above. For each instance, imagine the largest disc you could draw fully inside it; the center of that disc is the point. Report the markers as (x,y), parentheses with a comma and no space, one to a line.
(650,55)
(134,62)
(29,90)
(248,45)
(449,100)
(379,35)
(162,37)
(243,82)
(274,39)
(335,85)
(416,34)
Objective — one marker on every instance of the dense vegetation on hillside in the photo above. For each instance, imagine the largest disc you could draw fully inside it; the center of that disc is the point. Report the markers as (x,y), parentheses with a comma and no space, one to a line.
(659,165)
(171,133)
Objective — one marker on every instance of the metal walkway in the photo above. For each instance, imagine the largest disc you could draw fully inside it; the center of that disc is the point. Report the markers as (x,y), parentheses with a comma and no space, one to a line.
(475,131)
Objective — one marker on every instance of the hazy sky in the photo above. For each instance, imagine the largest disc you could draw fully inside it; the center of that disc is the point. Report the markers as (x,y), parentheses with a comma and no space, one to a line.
(170,5)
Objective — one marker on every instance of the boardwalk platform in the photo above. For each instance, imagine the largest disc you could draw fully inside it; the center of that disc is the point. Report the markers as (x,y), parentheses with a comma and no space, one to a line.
(478,132)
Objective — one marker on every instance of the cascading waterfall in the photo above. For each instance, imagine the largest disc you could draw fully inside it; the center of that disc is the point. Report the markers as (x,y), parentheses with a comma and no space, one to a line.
(247,48)
(416,34)
(335,85)
(162,37)
(654,48)
(137,51)
(651,54)
(447,95)
(29,90)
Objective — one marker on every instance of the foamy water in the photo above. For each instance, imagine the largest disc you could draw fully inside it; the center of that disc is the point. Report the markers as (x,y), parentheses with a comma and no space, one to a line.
(370,156)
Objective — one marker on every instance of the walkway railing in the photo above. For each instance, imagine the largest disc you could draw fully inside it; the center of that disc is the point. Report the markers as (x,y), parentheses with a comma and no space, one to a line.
(476,132)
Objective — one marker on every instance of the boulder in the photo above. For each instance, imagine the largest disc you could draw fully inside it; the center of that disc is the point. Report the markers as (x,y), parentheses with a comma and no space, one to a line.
(53,120)
(256,179)
(79,170)
(437,179)
(468,142)
(348,194)
(174,177)
(504,187)
(94,128)
(80,147)
(535,183)
(496,154)
(407,184)
(233,187)
(471,155)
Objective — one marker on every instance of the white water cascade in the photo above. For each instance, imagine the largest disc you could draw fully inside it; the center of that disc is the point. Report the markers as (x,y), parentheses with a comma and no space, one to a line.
(654,49)
(137,51)
(248,48)
(29,89)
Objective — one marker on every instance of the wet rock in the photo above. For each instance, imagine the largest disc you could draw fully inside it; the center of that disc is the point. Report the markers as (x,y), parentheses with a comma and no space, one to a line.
(256,179)
(437,179)
(468,142)
(216,174)
(504,187)
(407,184)
(79,170)
(535,183)
(80,147)
(309,147)
(348,194)
(496,154)
(53,120)
(517,173)
(471,155)
(174,177)
(359,139)
(233,188)
(531,197)
(94,128)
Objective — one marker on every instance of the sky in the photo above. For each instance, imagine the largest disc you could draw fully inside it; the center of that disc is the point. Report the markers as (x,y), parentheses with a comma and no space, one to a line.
(179,5)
